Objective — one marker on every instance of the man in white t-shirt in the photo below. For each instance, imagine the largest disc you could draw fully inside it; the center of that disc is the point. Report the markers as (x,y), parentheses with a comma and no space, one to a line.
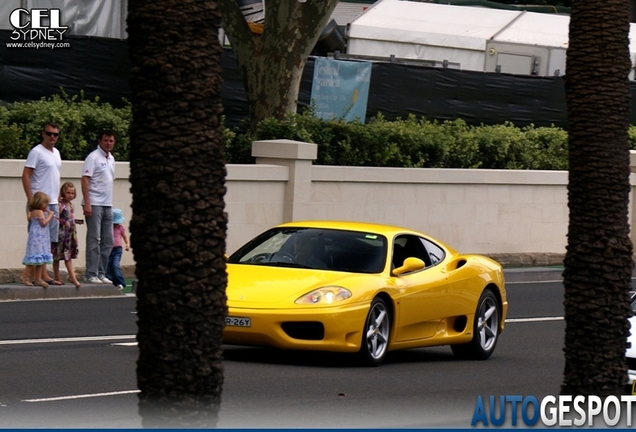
(41,173)
(98,175)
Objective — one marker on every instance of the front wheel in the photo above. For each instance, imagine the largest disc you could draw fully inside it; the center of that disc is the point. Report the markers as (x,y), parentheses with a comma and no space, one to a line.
(375,333)
(485,330)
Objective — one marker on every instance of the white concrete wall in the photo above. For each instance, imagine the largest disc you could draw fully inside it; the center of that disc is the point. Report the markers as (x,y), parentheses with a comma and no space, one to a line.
(254,201)
(478,211)
(482,211)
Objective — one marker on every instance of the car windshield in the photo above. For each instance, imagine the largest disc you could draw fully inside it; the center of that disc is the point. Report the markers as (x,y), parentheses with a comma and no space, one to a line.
(314,248)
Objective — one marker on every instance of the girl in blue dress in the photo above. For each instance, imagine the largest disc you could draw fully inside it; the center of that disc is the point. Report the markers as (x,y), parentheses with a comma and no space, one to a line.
(38,248)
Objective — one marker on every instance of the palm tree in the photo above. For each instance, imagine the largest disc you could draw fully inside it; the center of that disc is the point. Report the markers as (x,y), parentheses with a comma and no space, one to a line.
(178,228)
(598,262)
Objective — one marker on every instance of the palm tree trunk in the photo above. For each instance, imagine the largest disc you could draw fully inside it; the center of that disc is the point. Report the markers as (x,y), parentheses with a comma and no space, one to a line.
(598,261)
(178,228)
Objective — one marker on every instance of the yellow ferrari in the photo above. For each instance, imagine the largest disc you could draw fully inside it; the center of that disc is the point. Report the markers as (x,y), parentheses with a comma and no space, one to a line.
(362,288)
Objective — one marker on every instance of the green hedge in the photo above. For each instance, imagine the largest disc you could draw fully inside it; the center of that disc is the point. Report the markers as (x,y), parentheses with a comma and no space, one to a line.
(410,142)
(414,142)
(80,120)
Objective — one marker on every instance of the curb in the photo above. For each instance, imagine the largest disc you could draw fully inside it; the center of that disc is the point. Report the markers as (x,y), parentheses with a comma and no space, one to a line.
(533,274)
(21,292)
(12,289)
(10,276)
(528,260)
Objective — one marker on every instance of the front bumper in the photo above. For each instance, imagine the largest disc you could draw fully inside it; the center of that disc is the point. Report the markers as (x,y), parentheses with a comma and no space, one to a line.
(342,328)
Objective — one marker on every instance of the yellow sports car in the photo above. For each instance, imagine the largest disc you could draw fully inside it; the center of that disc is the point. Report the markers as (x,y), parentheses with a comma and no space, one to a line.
(361,287)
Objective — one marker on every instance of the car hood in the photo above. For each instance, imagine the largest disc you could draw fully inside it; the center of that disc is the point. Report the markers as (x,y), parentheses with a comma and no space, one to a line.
(265,286)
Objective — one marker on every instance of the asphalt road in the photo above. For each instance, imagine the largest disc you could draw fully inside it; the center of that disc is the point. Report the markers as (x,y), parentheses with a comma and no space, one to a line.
(90,383)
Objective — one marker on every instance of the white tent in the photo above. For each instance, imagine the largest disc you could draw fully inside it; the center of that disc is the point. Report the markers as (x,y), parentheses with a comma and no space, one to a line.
(466,37)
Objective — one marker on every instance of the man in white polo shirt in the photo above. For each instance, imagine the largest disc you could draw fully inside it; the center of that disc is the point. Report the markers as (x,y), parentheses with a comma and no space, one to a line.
(98,174)
(41,173)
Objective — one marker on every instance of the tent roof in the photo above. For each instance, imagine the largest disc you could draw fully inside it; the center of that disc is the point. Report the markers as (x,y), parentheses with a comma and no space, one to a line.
(532,28)
(463,27)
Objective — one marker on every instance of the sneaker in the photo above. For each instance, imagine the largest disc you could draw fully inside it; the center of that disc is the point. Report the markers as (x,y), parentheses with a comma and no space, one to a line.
(105,280)
(94,280)
(120,287)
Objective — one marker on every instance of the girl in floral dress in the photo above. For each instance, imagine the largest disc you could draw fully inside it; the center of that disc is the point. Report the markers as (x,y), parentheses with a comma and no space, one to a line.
(67,245)
(38,248)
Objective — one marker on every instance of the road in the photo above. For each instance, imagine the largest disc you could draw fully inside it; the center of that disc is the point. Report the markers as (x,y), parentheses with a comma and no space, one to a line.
(89,382)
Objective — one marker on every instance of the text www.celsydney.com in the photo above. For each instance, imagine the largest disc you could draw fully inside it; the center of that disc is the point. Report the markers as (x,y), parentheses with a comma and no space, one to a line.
(39,45)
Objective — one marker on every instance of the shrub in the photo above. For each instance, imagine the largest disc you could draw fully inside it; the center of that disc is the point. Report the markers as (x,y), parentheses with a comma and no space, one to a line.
(80,121)
(546,148)
(410,142)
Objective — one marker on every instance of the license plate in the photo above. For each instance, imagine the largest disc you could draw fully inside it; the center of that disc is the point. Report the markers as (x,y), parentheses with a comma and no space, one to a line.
(238,321)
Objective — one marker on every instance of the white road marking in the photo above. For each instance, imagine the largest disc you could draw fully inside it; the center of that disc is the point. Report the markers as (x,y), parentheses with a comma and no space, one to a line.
(515,320)
(60,398)
(68,339)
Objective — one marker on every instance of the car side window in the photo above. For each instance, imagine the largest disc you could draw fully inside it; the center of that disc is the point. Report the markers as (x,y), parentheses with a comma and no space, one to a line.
(406,246)
(435,253)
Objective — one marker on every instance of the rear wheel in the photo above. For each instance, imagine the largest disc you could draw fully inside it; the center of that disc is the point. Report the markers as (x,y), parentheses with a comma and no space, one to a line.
(485,330)
(375,333)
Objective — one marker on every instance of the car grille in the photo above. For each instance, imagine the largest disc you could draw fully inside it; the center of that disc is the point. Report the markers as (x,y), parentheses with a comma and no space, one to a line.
(306,330)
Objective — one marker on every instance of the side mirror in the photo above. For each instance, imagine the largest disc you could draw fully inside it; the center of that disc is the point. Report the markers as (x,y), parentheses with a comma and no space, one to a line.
(410,265)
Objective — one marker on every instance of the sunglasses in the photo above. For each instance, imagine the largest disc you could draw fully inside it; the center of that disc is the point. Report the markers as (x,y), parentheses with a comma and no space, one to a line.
(54,134)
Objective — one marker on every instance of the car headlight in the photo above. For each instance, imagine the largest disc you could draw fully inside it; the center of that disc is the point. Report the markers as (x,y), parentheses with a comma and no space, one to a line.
(325,295)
